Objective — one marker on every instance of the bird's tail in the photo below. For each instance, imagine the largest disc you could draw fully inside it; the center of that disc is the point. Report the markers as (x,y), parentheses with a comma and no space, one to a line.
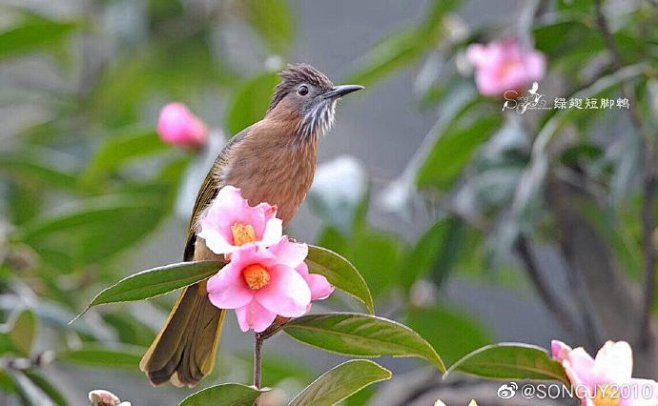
(185,350)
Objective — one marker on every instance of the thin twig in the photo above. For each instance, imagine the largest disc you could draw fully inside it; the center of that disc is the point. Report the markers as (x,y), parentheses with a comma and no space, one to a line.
(648,218)
(554,305)
(618,63)
(258,360)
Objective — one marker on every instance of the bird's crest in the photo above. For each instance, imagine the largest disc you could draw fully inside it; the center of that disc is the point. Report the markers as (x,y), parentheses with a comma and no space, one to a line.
(295,75)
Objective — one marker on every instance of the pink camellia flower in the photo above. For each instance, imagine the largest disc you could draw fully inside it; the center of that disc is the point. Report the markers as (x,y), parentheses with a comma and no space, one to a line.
(178,126)
(605,380)
(261,283)
(503,66)
(229,223)
(319,285)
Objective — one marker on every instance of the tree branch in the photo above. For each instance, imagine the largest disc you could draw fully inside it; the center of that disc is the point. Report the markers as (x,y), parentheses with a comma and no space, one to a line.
(648,218)
(522,247)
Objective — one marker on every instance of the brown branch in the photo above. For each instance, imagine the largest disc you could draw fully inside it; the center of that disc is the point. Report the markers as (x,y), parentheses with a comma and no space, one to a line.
(258,360)
(649,182)
(618,63)
(555,306)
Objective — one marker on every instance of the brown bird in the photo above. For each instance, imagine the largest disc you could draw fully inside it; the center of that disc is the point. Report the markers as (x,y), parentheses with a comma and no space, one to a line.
(271,161)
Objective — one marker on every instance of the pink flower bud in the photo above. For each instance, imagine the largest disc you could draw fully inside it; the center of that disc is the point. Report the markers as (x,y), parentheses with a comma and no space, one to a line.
(179,126)
(503,66)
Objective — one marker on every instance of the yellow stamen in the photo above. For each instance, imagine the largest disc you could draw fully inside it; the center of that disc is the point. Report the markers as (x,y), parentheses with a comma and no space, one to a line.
(607,395)
(256,276)
(243,234)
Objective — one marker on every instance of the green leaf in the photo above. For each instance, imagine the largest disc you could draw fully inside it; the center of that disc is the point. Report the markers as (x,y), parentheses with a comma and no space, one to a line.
(33,34)
(250,102)
(273,20)
(38,167)
(453,150)
(23,332)
(122,357)
(340,273)
(226,394)
(83,232)
(454,333)
(157,281)
(510,361)
(435,252)
(377,256)
(125,146)
(46,387)
(341,382)
(361,335)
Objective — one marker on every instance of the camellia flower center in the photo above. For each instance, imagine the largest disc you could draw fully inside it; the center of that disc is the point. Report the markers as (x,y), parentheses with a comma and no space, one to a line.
(243,234)
(607,396)
(256,276)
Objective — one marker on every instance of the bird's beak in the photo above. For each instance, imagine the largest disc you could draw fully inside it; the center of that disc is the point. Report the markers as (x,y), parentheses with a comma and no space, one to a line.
(340,91)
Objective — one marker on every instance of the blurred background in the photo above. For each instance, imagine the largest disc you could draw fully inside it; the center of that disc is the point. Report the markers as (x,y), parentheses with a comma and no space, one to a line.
(471,223)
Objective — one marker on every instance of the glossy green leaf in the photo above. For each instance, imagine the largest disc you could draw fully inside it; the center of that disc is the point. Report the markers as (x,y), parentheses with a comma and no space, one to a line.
(454,334)
(157,281)
(250,102)
(453,150)
(376,255)
(126,146)
(340,273)
(227,394)
(41,382)
(361,335)
(35,166)
(122,357)
(341,382)
(434,254)
(97,230)
(23,332)
(510,361)
(33,34)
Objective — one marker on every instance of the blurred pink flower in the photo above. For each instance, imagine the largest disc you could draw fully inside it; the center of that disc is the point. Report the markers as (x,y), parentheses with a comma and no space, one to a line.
(605,380)
(261,283)
(229,223)
(503,66)
(177,125)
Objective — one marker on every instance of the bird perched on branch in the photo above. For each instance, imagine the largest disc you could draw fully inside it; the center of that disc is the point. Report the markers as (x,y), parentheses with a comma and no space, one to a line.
(272,161)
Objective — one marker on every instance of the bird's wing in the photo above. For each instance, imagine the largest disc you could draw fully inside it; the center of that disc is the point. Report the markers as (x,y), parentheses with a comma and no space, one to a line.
(209,189)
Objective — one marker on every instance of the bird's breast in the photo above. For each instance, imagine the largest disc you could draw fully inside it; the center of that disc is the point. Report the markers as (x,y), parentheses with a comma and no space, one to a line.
(278,173)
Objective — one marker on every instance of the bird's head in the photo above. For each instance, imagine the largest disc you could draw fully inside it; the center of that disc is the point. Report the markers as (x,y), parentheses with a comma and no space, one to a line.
(307,96)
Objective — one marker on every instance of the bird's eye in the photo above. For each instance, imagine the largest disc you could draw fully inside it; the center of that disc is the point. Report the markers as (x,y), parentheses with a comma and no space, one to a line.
(303,90)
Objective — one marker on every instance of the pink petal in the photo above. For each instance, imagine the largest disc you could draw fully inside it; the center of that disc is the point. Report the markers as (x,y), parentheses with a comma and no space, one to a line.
(644,392)
(287,294)
(559,350)
(178,126)
(320,286)
(227,289)
(579,367)
(614,362)
(215,240)
(254,316)
(273,232)
(289,253)
(535,64)
(477,54)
